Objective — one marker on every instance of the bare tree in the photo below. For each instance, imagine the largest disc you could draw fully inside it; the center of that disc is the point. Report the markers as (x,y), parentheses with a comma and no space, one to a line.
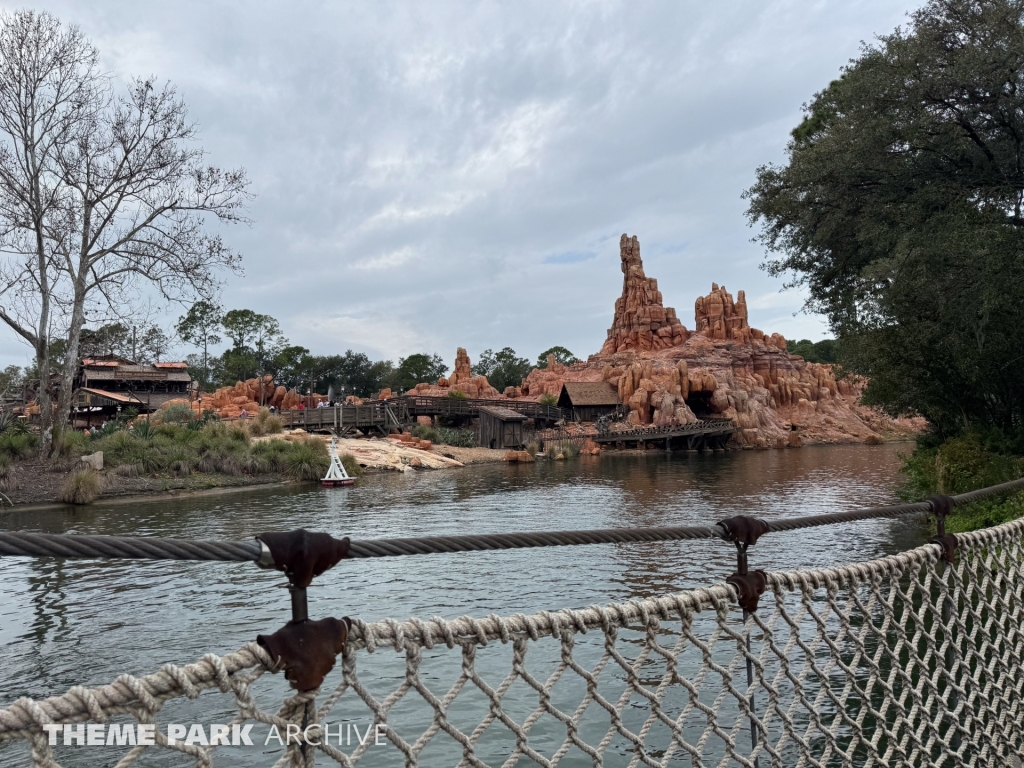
(103,197)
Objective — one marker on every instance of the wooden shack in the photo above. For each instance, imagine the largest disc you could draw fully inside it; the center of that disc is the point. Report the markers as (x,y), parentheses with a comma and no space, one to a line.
(588,400)
(105,385)
(501,427)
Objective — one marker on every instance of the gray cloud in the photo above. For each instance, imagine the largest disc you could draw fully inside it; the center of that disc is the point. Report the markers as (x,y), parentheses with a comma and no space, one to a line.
(433,175)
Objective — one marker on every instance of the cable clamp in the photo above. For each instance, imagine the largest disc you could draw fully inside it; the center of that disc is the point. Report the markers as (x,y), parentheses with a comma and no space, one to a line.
(743,529)
(306,650)
(302,554)
(749,588)
(942,507)
(949,543)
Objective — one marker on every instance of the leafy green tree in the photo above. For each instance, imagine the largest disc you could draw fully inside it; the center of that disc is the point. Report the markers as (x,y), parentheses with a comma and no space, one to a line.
(900,210)
(502,369)
(237,365)
(290,366)
(562,355)
(258,336)
(484,364)
(413,369)
(824,351)
(201,327)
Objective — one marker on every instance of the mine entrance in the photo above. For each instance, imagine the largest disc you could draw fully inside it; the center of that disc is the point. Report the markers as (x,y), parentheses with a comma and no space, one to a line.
(700,404)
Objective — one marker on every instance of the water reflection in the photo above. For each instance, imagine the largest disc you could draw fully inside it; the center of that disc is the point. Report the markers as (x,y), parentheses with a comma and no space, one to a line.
(82,622)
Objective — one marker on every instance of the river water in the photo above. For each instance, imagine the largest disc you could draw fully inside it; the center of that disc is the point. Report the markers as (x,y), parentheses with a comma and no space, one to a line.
(65,623)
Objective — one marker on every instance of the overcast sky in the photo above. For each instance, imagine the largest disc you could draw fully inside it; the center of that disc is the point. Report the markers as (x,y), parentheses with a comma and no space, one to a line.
(432,175)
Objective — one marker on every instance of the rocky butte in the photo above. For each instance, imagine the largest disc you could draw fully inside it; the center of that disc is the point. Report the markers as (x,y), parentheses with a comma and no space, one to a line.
(669,375)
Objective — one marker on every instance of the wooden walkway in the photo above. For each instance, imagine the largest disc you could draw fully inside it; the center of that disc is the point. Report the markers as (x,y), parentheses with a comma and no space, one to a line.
(459,408)
(705,434)
(379,415)
(399,413)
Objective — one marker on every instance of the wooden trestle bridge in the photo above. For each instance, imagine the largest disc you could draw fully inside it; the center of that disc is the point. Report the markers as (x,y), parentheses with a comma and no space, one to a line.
(709,433)
(399,414)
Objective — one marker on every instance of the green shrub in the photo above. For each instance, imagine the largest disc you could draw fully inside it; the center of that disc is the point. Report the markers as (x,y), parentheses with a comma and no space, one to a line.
(176,413)
(548,399)
(567,448)
(18,445)
(533,448)
(178,460)
(971,460)
(423,432)
(273,452)
(82,486)
(69,444)
(11,423)
(348,461)
(144,430)
(454,393)
(307,460)
(265,423)
(460,438)
(8,479)
(120,447)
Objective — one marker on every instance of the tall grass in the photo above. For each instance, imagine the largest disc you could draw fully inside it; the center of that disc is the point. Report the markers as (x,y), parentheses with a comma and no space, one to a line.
(8,480)
(565,448)
(206,446)
(82,486)
(307,460)
(348,461)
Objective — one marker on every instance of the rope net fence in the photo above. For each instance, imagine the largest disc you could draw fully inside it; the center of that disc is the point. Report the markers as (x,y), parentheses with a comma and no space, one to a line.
(902,661)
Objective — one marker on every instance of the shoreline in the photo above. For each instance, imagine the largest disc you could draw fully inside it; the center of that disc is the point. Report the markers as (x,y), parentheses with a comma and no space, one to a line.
(463,457)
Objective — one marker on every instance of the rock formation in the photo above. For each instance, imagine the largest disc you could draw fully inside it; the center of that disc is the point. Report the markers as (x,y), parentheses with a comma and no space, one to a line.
(719,317)
(462,380)
(724,368)
(641,322)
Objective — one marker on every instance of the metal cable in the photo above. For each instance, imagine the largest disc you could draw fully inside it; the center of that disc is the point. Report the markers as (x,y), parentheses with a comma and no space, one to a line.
(130,547)
(437,544)
(140,547)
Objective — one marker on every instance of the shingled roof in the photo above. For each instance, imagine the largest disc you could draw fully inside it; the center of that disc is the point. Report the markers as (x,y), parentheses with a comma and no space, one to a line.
(588,393)
(504,414)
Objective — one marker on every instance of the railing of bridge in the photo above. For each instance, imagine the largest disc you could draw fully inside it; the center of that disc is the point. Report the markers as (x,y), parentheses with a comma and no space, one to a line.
(908,660)
(401,410)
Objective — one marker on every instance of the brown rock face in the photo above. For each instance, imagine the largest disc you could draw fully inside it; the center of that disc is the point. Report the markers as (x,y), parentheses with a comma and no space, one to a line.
(719,317)
(641,322)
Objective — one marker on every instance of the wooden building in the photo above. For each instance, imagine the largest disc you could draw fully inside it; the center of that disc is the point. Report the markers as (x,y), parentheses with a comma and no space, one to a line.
(108,384)
(501,428)
(588,400)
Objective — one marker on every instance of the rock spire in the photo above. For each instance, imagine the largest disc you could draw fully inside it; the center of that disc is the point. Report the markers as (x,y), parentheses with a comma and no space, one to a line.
(641,322)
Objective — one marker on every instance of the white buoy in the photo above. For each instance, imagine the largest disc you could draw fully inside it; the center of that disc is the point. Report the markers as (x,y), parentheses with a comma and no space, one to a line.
(336,474)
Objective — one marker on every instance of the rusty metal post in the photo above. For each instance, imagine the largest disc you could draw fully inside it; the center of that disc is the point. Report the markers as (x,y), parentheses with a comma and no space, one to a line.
(304,649)
(942,506)
(744,531)
(742,567)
